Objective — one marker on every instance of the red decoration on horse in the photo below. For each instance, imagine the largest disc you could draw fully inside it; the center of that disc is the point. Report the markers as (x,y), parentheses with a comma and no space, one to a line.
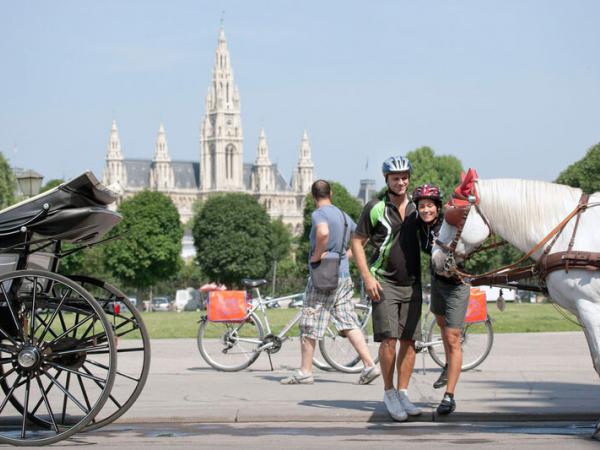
(467,186)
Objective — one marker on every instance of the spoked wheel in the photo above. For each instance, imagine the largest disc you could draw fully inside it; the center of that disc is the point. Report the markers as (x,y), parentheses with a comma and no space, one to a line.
(133,348)
(476,341)
(337,350)
(230,346)
(57,358)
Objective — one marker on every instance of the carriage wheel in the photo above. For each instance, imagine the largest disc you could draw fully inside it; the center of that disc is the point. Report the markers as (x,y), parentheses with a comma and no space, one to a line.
(133,348)
(53,378)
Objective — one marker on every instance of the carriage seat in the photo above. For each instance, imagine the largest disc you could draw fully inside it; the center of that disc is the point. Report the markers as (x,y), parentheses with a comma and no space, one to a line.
(74,211)
(250,283)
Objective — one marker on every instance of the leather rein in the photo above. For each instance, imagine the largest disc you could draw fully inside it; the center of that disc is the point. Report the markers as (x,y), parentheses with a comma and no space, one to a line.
(457,211)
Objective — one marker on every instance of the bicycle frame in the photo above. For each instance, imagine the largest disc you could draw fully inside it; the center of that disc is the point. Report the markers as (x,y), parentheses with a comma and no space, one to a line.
(262,304)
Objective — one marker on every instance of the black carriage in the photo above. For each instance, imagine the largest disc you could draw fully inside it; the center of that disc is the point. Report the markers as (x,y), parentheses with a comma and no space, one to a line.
(59,336)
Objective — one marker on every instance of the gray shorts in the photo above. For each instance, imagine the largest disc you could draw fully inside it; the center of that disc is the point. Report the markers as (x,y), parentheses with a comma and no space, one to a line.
(450,301)
(398,313)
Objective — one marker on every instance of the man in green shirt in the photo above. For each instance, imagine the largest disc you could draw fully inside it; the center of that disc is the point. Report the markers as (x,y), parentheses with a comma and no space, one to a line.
(392,279)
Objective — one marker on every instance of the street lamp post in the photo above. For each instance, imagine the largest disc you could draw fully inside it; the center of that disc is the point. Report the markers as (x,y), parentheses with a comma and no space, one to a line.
(30,183)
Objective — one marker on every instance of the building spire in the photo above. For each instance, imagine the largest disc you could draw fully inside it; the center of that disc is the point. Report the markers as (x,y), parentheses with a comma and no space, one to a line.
(221,136)
(162,176)
(161,150)
(114,143)
(305,158)
(115,174)
(262,152)
(304,172)
(223,94)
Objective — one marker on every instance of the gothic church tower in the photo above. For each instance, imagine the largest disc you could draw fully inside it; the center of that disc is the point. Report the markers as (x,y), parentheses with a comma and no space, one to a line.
(263,178)
(302,179)
(221,138)
(114,171)
(162,177)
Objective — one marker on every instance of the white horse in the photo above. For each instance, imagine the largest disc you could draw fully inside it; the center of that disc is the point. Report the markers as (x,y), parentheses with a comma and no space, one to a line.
(524,212)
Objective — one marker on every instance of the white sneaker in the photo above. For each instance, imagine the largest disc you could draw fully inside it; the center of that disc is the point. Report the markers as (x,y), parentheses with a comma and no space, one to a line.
(368,374)
(393,405)
(298,378)
(407,405)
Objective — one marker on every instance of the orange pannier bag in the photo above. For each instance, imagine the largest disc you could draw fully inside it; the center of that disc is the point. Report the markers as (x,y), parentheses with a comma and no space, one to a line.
(227,306)
(477,309)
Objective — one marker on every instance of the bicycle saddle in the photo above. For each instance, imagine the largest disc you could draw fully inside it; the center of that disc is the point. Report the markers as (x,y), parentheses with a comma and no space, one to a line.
(250,283)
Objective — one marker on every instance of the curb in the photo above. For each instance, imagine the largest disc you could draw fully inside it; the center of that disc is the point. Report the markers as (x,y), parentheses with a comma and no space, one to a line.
(426,417)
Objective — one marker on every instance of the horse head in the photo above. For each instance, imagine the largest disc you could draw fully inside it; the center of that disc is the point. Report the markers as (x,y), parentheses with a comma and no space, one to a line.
(464,228)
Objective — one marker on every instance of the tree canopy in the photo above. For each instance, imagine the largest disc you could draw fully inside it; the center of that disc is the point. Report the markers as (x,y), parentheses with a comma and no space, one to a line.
(150,247)
(281,240)
(51,184)
(428,168)
(232,238)
(585,173)
(7,183)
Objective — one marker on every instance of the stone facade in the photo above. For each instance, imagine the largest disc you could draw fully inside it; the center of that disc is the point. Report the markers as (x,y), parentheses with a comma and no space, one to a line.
(221,167)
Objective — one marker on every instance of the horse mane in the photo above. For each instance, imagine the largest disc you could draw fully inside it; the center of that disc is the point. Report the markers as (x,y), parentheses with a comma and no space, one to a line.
(524,211)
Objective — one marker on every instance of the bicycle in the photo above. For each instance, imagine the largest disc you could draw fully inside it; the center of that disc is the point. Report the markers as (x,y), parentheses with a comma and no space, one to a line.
(337,349)
(477,339)
(233,346)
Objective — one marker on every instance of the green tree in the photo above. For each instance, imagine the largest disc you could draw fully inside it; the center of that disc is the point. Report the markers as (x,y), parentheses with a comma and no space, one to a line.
(443,171)
(291,277)
(7,183)
(88,261)
(231,236)
(281,242)
(51,184)
(584,173)
(150,245)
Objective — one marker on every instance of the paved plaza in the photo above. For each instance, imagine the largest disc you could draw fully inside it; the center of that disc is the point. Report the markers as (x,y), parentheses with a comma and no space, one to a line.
(528,376)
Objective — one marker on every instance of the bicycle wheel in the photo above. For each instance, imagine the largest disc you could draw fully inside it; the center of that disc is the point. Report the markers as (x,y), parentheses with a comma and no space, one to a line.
(321,365)
(230,346)
(133,349)
(337,349)
(51,328)
(476,340)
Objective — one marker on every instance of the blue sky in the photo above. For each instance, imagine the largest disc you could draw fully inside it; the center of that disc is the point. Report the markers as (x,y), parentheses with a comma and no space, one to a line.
(511,88)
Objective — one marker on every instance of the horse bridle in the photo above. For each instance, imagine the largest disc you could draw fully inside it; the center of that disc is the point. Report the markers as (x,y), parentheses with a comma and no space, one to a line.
(457,211)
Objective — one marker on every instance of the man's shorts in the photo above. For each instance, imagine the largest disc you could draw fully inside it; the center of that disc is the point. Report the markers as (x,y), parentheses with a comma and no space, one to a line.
(318,307)
(450,301)
(398,313)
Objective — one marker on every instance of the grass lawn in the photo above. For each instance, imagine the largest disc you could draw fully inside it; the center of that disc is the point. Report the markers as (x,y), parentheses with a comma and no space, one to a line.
(516,318)
(530,318)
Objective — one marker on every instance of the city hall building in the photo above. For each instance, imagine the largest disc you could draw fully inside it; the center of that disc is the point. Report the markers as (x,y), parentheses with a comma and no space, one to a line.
(221,167)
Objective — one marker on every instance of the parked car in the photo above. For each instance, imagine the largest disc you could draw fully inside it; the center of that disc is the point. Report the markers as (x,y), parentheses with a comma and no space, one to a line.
(161,304)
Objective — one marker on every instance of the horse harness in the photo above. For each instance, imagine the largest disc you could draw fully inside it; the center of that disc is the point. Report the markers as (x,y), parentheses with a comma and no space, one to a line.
(457,211)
